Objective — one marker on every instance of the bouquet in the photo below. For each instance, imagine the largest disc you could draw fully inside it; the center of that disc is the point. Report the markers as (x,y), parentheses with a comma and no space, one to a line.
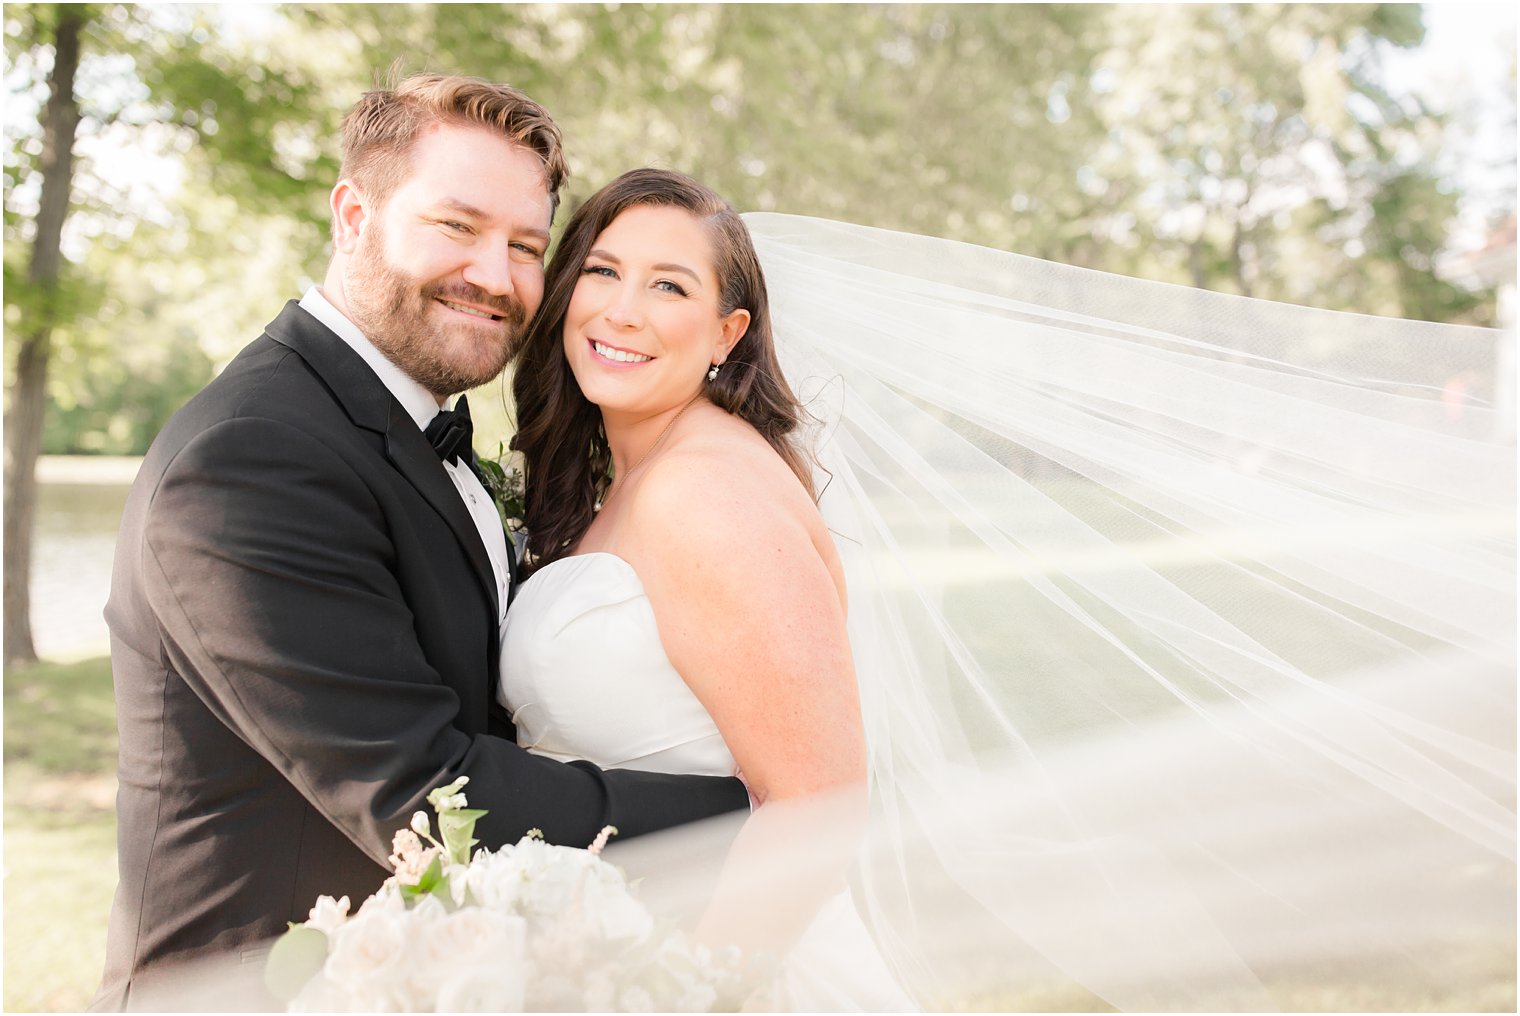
(529,927)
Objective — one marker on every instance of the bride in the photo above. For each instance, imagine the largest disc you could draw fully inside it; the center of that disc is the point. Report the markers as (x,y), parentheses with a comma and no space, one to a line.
(1171,632)
(686,612)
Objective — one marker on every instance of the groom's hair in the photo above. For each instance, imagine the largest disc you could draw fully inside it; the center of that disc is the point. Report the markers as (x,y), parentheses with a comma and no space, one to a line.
(384,125)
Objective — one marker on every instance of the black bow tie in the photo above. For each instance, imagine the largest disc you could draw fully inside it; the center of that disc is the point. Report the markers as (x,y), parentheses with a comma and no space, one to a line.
(450,432)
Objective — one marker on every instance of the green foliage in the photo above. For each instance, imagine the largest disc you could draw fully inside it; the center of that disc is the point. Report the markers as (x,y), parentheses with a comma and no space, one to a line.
(127,351)
(295,958)
(102,405)
(432,882)
(457,830)
(503,478)
(238,104)
(1261,149)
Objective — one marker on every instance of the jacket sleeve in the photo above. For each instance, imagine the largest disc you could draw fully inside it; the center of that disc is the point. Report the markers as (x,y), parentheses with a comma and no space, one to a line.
(270,567)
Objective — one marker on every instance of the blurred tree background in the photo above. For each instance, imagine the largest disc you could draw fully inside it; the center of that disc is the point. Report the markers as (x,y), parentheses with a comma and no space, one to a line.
(1270,150)
(1281,151)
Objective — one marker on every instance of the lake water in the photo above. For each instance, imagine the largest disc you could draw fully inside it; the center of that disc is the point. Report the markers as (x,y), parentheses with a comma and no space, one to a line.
(79,503)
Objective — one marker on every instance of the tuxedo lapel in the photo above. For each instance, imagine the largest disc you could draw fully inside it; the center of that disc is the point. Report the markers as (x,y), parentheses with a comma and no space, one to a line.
(371,406)
(511,563)
(415,459)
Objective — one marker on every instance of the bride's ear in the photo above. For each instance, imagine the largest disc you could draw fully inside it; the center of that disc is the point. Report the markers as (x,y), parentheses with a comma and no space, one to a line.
(733,328)
(349,210)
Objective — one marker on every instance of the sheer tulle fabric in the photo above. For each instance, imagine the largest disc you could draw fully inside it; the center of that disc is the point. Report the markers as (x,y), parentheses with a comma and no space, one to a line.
(1184,626)
(1185,633)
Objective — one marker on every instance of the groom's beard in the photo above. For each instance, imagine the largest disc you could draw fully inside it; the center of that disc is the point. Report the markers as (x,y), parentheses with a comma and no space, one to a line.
(435,346)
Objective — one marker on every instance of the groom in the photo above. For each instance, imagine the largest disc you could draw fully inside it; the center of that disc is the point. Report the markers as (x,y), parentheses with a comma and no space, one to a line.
(308,594)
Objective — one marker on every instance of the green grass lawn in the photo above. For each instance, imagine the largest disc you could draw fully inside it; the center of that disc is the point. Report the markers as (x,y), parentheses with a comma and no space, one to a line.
(60,832)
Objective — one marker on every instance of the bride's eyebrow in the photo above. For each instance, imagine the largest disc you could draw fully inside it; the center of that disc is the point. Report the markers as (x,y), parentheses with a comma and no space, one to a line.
(670,266)
(664,266)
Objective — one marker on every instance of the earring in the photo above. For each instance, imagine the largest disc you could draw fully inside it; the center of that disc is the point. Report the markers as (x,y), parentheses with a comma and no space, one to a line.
(713,373)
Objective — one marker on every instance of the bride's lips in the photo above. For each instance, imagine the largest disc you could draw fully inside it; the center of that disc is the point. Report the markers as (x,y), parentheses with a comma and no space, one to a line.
(611,364)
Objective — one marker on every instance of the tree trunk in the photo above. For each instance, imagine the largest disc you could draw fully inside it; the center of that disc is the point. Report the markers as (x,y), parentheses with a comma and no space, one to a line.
(1195,264)
(1238,260)
(24,415)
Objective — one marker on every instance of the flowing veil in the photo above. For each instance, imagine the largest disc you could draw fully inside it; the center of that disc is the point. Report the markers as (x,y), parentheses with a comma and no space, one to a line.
(1184,624)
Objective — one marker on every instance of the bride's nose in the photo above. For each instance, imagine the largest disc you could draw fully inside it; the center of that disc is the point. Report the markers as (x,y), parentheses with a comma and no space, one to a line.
(624,310)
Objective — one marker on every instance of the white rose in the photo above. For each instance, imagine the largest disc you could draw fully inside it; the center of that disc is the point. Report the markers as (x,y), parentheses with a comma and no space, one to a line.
(322,994)
(554,992)
(367,946)
(387,899)
(635,998)
(482,989)
(552,885)
(600,992)
(480,956)
(697,998)
(495,880)
(473,936)
(327,914)
(428,912)
(618,915)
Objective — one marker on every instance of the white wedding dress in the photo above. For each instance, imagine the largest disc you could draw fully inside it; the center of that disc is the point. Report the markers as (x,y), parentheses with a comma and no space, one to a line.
(585,676)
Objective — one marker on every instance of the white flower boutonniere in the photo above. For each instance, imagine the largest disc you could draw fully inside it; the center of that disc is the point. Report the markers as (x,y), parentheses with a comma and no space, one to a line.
(503,476)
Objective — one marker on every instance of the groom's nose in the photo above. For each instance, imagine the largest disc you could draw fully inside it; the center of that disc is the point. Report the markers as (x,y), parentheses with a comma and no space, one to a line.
(491,269)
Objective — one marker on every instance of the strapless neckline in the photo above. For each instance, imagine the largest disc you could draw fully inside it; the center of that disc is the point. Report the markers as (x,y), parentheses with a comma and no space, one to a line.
(584,674)
(545,569)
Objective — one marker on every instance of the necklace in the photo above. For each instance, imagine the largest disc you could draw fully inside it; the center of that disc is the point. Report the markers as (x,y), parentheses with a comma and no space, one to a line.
(618,479)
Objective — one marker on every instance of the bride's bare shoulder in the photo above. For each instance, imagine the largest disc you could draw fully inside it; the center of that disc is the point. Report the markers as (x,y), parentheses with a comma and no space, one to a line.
(723,474)
(725,491)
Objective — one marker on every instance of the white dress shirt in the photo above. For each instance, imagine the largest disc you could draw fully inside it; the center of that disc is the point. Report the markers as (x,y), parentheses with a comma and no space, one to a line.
(421,406)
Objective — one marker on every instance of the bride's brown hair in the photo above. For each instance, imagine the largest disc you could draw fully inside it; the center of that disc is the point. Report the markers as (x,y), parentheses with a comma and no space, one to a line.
(567,464)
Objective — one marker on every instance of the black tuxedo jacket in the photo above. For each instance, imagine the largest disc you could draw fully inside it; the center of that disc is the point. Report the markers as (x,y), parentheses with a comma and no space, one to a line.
(304,643)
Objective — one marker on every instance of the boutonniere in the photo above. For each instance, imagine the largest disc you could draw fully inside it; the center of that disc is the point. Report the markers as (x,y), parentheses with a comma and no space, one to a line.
(503,476)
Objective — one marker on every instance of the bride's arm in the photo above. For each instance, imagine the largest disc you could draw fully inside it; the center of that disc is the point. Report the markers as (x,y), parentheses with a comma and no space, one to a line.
(751,614)
(750,607)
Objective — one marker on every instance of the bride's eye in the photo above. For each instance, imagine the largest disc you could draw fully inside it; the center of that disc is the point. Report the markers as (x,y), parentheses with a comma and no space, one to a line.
(666,286)
(605,271)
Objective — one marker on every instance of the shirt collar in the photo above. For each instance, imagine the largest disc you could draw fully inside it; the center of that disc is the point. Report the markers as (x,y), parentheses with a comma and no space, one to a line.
(415,399)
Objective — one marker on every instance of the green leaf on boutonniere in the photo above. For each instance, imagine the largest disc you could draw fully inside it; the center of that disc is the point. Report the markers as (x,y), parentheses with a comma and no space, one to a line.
(503,476)
(295,958)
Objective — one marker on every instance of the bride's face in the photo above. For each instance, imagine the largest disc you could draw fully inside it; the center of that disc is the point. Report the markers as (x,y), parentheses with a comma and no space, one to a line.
(645,323)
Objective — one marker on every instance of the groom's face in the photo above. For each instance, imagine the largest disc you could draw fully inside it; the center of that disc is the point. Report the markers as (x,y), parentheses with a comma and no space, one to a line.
(446,272)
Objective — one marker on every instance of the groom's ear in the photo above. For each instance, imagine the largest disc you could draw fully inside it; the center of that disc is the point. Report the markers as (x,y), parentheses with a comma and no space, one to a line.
(349,210)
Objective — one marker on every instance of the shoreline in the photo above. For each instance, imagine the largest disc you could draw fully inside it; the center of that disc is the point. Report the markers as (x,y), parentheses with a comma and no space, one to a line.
(82,470)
